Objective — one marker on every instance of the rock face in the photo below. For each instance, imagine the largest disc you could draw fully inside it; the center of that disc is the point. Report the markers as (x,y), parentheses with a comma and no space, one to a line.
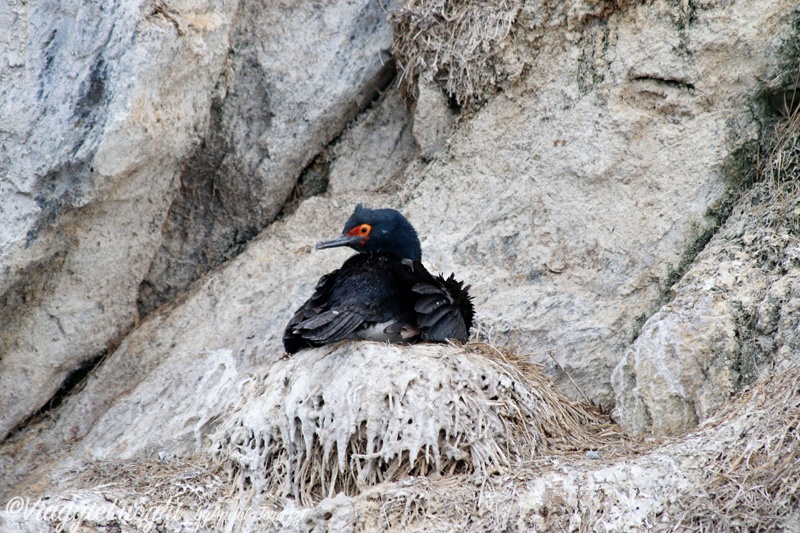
(100,105)
(572,191)
(432,119)
(199,353)
(113,111)
(734,310)
(375,149)
(597,173)
(298,74)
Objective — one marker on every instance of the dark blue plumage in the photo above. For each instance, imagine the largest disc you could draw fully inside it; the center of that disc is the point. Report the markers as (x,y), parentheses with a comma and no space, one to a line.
(382,293)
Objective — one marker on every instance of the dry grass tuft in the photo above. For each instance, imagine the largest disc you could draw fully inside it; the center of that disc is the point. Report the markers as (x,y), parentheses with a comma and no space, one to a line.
(195,484)
(781,176)
(754,485)
(456,43)
(567,424)
(472,48)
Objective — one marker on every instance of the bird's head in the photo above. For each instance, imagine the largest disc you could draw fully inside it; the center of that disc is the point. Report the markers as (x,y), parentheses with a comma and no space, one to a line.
(378,230)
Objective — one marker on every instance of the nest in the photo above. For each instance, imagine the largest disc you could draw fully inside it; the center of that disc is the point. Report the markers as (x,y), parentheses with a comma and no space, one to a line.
(341,420)
(473,48)
(456,43)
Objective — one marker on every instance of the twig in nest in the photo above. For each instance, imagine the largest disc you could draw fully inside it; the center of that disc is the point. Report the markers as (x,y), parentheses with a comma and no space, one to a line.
(564,370)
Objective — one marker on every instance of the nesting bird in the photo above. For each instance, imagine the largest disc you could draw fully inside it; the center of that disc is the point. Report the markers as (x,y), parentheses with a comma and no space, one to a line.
(383,293)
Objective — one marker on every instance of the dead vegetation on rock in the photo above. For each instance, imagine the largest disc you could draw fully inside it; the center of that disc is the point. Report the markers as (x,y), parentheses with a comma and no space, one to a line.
(195,484)
(782,176)
(454,43)
(138,495)
(461,44)
(754,485)
(334,420)
(749,458)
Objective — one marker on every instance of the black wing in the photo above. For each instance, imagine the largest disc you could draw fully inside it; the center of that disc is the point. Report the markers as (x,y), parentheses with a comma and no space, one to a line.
(315,323)
(381,289)
(443,306)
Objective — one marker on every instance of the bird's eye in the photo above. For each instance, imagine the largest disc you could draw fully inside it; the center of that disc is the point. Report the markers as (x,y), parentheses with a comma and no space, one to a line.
(365,229)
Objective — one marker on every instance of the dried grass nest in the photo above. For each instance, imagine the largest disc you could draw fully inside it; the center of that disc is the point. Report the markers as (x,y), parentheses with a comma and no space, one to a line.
(343,419)
(472,48)
(453,42)
(751,453)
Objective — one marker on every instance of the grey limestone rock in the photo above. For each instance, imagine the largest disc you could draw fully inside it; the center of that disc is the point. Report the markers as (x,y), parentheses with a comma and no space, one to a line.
(144,144)
(733,313)
(432,119)
(100,104)
(298,73)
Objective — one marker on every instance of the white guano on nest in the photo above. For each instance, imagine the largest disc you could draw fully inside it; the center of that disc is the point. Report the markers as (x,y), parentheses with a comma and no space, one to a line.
(344,418)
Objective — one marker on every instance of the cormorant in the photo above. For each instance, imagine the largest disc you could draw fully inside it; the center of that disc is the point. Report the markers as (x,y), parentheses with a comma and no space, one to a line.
(383,293)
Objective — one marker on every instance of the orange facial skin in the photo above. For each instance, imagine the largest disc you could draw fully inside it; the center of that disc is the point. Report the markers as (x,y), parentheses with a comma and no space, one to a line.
(360,231)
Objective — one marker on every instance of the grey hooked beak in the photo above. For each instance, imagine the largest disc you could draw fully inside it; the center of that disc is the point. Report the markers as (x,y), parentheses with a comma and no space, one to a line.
(343,240)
